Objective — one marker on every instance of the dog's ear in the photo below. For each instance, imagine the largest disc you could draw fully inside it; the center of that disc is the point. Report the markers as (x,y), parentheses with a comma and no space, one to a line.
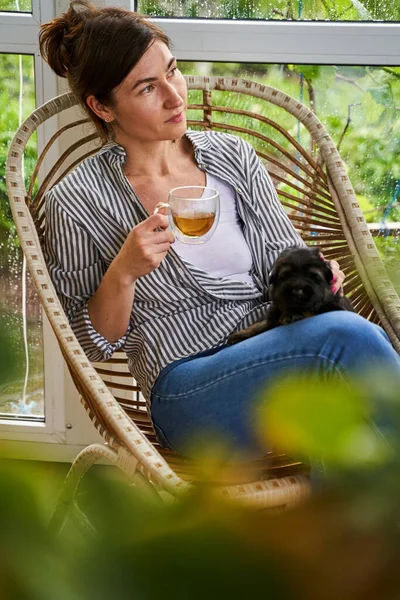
(272,276)
(315,252)
(271,285)
(287,251)
(327,271)
(275,267)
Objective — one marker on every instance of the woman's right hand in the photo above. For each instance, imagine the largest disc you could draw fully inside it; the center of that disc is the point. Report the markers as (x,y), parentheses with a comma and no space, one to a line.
(145,247)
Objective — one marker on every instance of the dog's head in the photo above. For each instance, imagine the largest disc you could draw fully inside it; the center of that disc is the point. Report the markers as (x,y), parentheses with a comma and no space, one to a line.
(300,282)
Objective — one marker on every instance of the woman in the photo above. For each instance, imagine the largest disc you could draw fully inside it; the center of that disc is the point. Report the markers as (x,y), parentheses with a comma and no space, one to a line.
(124,281)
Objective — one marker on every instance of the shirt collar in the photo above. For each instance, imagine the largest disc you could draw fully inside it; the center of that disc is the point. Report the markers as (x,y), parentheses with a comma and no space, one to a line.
(199,139)
(114,149)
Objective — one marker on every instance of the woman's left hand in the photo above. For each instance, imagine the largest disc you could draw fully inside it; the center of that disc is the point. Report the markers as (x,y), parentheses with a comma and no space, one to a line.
(338,277)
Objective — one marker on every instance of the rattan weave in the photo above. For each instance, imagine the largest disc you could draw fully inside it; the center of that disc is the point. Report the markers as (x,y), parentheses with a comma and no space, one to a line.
(315,189)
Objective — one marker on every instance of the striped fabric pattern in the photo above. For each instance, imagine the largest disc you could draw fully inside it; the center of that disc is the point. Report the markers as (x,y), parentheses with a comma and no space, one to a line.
(178,309)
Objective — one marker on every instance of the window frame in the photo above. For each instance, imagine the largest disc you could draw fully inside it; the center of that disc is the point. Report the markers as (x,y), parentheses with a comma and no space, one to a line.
(284,42)
(66,429)
(24,27)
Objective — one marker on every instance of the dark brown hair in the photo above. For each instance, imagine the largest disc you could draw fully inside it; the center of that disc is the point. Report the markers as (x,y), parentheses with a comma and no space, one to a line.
(95,49)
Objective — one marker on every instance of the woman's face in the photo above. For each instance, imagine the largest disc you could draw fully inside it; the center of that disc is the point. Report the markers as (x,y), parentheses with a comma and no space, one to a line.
(150,103)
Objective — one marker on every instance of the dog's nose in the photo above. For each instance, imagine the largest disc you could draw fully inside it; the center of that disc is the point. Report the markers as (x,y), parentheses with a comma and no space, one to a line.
(301,295)
(298,293)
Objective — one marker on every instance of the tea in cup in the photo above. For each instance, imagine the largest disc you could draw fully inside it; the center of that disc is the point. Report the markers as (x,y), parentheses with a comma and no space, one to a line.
(193,213)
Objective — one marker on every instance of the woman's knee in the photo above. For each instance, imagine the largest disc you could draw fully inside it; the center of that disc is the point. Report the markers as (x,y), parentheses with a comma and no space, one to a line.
(351,326)
(362,342)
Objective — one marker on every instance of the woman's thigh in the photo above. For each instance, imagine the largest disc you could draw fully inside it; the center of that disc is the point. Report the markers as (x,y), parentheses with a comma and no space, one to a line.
(213,396)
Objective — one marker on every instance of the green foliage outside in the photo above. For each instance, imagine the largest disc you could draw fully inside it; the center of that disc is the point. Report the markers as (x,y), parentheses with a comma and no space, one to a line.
(12,379)
(10,67)
(360,107)
(325,10)
(16,5)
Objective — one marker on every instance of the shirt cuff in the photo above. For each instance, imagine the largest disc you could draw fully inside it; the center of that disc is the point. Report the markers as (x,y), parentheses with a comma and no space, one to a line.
(96,347)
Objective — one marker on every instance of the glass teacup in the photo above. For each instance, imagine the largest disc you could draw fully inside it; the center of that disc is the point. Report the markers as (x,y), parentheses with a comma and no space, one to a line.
(193,212)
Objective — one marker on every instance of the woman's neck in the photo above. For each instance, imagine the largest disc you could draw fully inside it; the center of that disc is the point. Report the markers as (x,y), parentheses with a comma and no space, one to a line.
(153,159)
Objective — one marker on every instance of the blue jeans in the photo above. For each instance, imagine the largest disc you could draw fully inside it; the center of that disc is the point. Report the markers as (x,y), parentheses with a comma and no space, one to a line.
(212,395)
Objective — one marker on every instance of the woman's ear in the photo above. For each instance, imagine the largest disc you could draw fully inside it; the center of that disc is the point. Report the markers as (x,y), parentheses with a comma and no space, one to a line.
(103,112)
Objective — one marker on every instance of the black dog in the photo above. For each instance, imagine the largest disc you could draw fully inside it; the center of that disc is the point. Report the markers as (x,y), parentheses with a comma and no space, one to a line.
(300,287)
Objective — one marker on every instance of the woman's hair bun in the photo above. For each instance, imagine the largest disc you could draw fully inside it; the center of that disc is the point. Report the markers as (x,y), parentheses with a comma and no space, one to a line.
(59,38)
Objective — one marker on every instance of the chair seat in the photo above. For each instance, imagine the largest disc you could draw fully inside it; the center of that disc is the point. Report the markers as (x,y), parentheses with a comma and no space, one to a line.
(272,466)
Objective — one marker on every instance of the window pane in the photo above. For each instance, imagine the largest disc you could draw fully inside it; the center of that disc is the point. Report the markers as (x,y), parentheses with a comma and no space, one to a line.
(21,359)
(360,107)
(324,10)
(16,5)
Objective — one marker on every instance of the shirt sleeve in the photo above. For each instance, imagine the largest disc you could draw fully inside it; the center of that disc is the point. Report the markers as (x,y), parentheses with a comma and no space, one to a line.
(277,227)
(76,269)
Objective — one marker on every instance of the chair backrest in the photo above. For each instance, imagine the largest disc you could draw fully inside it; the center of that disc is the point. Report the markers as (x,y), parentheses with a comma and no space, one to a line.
(310,179)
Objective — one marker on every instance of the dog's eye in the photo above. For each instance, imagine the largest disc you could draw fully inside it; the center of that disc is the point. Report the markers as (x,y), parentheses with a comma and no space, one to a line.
(283,274)
(316,276)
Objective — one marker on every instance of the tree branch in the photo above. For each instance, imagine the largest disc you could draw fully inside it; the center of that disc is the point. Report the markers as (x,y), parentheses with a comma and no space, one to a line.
(350,106)
(349,80)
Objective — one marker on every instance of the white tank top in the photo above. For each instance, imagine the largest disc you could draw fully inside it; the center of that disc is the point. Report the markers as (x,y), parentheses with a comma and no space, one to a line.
(226,253)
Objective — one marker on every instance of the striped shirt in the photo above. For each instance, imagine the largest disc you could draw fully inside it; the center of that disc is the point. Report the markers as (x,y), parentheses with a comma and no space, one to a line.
(178,310)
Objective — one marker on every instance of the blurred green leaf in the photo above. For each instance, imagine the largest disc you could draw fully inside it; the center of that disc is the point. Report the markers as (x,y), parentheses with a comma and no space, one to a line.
(382,95)
(372,108)
(308,417)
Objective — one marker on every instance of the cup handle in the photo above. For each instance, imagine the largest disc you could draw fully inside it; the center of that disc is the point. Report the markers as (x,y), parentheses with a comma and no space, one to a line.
(159,206)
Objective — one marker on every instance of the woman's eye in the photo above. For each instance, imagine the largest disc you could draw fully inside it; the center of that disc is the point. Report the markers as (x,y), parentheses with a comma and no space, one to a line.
(147,89)
(172,72)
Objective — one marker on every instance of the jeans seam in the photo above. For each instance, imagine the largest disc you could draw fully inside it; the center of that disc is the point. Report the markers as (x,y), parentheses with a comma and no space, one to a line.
(162,438)
(238,371)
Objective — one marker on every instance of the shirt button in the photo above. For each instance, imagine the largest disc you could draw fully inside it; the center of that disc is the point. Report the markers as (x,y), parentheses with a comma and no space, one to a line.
(239,191)
(202,166)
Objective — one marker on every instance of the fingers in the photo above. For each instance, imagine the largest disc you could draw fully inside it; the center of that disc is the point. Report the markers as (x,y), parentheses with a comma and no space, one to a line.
(151,232)
(338,277)
(159,237)
(156,242)
(162,248)
(336,270)
(157,221)
(334,265)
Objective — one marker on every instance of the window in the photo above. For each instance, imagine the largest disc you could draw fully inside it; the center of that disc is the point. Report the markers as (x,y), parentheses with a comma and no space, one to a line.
(292,10)
(27,390)
(16,6)
(360,108)
(46,410)
(22,386)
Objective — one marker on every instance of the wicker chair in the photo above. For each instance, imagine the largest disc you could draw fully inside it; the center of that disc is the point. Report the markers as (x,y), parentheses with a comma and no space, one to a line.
(314,187)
